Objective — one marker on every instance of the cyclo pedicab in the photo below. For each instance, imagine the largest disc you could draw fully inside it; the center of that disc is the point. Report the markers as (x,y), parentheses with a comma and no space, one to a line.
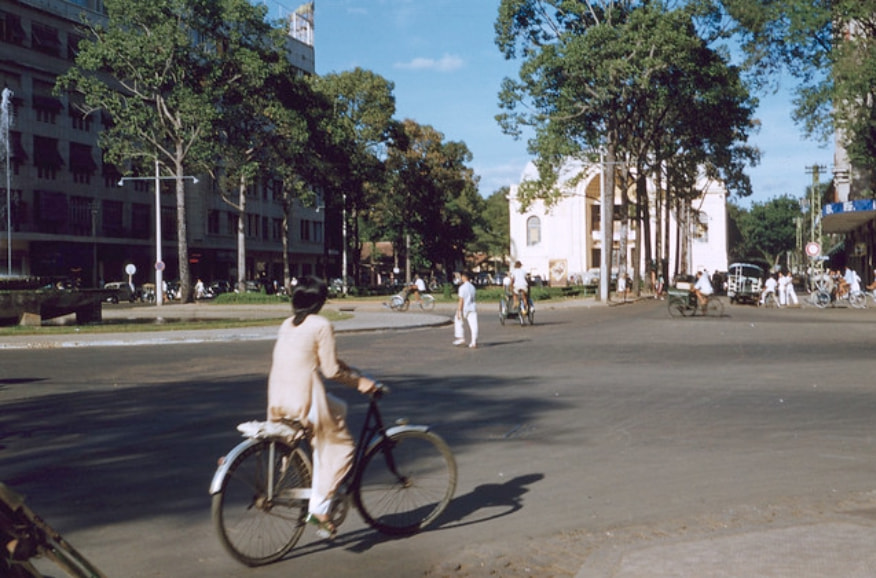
(683,302)
(508,309)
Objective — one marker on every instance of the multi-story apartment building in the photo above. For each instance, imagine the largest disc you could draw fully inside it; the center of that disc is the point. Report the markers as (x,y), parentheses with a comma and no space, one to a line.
(70,217)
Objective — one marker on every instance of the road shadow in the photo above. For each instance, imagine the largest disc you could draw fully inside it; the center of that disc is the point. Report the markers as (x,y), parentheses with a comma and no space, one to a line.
(100,457)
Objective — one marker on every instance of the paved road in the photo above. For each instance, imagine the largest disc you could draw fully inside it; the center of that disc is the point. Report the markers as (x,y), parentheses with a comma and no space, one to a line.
(601,442)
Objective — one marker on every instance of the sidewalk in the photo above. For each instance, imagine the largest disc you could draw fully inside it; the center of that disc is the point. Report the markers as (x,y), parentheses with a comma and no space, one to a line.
(364,316)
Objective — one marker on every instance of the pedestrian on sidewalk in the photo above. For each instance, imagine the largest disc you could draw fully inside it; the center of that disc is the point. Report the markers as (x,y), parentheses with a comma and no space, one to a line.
(466,313)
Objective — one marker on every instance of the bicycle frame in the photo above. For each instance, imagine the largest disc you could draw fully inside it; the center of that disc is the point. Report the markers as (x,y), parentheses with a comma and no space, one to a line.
(373,433)
(26,536)
(376,432)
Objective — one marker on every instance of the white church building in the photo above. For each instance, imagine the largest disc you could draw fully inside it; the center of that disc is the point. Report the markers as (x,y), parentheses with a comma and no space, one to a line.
(564,240)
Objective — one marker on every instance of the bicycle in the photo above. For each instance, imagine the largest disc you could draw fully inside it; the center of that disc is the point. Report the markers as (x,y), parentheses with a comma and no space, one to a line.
(402,478)
(24,536)
(508,309)
(683,303)
(402,302)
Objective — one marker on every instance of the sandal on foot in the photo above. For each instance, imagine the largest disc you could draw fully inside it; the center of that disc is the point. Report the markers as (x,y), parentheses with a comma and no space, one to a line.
(324,529)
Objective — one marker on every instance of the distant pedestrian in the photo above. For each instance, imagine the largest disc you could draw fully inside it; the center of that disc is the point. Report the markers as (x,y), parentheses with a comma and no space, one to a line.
(466,313)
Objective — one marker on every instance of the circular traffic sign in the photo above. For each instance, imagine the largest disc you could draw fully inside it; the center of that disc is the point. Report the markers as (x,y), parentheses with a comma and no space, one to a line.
(813,249)
(130,269)
(159,266)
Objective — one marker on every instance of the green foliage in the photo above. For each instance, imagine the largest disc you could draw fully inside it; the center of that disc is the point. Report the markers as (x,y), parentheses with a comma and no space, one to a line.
(637,80)
(767,230)
(170,74)
(830,49)
(493,231)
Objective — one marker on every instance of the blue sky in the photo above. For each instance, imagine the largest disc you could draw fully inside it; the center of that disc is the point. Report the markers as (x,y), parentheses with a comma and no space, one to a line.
(447,70)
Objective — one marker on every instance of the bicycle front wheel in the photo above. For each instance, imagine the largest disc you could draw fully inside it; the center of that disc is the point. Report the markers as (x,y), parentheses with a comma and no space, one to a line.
(396,303)
(428,303)
(257,526)
(714,308)
(820,299)
(406,482)
(858,300)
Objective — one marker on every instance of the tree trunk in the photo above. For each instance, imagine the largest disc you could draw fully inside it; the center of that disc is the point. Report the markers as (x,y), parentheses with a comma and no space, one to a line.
(182,231)
(241,235)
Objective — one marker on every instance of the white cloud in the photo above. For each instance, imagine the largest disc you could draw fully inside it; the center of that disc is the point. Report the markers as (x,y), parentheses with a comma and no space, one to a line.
(447,63)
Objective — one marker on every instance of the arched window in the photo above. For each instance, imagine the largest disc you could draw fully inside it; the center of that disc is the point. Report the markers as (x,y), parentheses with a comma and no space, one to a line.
(533,231)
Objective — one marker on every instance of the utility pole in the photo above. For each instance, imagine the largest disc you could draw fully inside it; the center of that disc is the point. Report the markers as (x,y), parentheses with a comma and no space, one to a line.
(815,203)
(815,216)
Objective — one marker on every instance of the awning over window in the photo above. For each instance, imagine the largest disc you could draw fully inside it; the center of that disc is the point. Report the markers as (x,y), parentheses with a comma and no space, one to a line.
(45,38)
(848,216)
(13,31)
(43,102)
(81,159)
(45,153)
(16,150)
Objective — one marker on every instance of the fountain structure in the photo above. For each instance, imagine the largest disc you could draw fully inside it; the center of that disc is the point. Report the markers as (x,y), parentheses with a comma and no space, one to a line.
(30,300)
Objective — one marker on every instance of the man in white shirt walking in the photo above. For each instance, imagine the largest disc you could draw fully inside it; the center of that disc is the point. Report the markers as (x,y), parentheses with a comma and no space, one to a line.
(466,312)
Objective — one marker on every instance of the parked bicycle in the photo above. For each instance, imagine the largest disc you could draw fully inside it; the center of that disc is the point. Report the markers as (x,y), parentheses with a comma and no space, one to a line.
(401,480)
(25,537)
(402,301)
(684,303)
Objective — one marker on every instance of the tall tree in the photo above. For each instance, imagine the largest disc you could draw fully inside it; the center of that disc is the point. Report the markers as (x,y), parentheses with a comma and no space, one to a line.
(159,69)
(493,231)
(631,78)
(829,47)
(428,205)
(362,107)
(769,229)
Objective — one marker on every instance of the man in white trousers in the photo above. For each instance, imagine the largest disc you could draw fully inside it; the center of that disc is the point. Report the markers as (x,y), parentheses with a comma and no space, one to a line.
(466,312)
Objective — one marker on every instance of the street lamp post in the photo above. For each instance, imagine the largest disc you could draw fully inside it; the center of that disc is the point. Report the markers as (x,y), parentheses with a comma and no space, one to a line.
(159,263)
(344,245)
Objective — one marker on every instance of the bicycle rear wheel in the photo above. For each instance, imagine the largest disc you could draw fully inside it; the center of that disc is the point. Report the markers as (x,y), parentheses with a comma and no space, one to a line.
(677,307)
(406,482)
(428,303)
(858,300)
(254,528)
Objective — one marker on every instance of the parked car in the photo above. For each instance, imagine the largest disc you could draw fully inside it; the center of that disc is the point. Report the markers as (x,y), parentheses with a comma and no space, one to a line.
(123,292)
(483,279)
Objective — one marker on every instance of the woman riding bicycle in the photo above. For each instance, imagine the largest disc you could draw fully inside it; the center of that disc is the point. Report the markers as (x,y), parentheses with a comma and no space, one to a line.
(304,352)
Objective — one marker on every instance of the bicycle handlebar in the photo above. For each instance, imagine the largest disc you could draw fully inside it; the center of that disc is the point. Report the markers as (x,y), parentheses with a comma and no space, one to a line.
(380,389)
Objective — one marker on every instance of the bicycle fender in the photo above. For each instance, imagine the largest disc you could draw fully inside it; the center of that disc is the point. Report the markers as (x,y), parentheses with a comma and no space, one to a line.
(394,430)
(227,460)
